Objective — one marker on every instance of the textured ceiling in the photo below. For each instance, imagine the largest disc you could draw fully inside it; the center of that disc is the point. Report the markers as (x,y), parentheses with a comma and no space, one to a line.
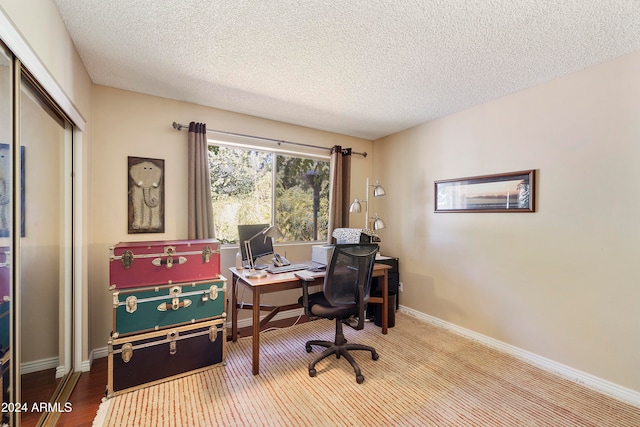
(366,68)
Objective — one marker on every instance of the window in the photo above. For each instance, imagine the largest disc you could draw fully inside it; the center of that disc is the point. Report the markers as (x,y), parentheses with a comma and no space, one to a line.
(251,186)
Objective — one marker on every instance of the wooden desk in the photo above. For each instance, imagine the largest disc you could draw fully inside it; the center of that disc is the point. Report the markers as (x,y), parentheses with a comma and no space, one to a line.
(282,282)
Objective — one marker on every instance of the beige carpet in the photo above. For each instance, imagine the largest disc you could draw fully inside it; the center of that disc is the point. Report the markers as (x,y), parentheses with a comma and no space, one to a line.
(426,376)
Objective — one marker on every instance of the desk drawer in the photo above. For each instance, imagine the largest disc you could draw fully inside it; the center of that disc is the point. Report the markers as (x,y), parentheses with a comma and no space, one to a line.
(147,309)
(143,360)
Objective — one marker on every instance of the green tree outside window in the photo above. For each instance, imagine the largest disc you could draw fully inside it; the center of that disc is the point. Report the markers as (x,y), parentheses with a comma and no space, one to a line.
(243,183)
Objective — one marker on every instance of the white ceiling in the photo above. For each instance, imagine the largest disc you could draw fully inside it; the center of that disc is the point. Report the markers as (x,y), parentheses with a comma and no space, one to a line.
(366,68)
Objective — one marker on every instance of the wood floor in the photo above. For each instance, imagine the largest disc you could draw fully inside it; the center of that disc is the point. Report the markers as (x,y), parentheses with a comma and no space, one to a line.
(37,387)
(86,396)
(91,387)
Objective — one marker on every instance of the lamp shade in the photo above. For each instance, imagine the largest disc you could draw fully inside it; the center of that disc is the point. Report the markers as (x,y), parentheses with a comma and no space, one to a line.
(378,223)
(355,207)
(378,191)
(274,232)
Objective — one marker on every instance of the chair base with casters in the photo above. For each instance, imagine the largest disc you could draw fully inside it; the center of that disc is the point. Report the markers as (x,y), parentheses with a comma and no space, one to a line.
(340,348)
(346,291)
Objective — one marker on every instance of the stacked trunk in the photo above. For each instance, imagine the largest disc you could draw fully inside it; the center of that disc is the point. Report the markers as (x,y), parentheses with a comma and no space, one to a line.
(169,312)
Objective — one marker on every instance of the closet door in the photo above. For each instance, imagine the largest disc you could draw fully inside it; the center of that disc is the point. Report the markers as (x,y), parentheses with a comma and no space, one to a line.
(45,269)
(6,208)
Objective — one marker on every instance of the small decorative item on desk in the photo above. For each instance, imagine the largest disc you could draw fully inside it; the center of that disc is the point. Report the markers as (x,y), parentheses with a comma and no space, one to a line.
(238,261)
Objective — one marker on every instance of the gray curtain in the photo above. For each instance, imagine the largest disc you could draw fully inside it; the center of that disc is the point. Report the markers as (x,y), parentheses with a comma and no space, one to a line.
(200,209)
(339,192)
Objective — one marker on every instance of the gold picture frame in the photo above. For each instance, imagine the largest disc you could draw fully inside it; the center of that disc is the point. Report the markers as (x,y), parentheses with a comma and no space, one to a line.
(146,195)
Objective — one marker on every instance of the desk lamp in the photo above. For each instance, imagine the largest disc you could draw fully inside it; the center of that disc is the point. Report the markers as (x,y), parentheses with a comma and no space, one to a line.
(356,206)
(267,232)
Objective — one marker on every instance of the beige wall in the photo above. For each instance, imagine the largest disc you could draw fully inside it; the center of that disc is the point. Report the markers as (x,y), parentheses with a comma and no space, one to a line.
(561,283)
(41,29)
(132,124)
(40,24)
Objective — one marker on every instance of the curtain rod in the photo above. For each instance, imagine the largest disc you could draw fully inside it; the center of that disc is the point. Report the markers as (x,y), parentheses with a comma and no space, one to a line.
(178,126)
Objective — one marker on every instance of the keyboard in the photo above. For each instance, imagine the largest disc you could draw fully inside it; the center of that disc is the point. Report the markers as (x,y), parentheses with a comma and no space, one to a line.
(287,268)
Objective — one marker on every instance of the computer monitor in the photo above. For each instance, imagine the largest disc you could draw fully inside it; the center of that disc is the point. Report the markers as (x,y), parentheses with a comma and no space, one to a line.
(259,246)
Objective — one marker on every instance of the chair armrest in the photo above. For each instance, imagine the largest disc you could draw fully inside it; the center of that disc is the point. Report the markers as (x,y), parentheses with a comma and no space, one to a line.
(305,275)
(363,307)
(305,278)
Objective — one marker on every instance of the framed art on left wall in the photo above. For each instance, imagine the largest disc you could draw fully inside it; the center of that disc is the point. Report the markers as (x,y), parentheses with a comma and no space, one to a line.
(146,195)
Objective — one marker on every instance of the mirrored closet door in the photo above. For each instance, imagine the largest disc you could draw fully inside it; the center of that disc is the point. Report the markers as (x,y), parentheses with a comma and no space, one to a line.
(6,209)
(36,271)
(45,246)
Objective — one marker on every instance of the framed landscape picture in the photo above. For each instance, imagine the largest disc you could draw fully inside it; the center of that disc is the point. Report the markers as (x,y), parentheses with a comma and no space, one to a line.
(504,192)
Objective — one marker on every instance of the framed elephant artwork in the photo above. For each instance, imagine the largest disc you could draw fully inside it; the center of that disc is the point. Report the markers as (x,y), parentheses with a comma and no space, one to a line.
(146,195)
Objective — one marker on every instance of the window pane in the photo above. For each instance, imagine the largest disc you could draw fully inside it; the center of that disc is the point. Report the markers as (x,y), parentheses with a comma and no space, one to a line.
(242,183)
(302,198)
(241,186)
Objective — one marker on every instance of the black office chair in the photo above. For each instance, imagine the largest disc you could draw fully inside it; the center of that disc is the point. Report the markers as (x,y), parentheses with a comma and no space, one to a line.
(347,285)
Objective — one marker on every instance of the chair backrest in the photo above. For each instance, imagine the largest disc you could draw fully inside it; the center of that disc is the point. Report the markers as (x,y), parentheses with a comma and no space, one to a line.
(348,277)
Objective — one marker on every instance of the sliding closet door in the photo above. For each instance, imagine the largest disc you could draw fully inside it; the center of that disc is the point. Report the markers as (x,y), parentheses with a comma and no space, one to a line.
(6,207)
(45,279)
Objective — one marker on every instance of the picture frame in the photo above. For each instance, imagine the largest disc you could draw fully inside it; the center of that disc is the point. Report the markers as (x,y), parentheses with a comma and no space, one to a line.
(5,189)
(503,192)
(145,195)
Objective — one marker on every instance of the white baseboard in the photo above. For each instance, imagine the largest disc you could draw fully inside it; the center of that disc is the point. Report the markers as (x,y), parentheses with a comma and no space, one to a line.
(86,365)
(606,387)
(38,365)
(96,353)
(61,371)
(614,390)
(99,353)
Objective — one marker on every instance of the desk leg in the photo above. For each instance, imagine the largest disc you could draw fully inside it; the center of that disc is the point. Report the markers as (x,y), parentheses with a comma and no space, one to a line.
(385,302)
(256,330)
(234,308)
